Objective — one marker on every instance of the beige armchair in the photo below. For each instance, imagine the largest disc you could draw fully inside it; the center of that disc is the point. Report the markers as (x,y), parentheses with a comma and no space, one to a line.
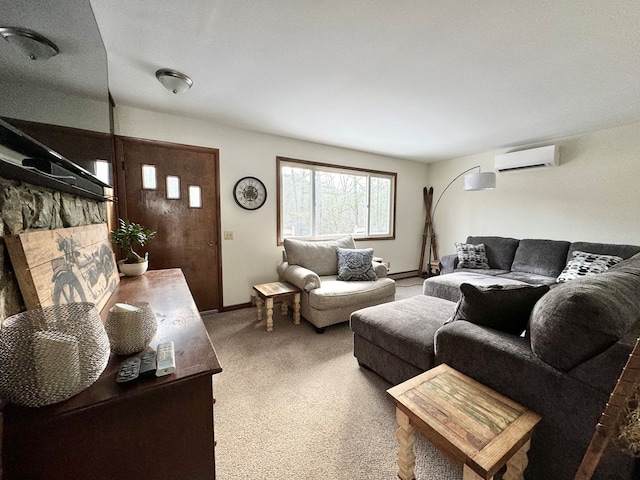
(325,299)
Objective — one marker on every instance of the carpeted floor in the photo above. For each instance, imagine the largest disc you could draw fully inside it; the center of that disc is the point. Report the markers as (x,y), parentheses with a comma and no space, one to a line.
(292,404)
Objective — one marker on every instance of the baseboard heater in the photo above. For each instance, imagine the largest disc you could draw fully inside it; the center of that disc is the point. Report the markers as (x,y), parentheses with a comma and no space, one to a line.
(548,156)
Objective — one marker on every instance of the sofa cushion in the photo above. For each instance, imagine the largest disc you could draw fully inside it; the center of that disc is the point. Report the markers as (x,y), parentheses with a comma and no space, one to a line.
(502,307)
(584,263)
(448,286)
(542,257)
(577,320)
(472,256)
(530,278)
(355,264)
(334,293)
(624,251)
(630,265)
(319,257)
(500,250)
(405,328)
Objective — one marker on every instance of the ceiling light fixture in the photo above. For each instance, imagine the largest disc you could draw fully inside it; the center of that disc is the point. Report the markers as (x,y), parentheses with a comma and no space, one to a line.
(30,43)
(173,81)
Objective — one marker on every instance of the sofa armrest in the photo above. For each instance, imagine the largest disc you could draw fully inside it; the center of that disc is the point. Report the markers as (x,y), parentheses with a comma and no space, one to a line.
(281,268)
(380,269)
(448,263)
(298,276)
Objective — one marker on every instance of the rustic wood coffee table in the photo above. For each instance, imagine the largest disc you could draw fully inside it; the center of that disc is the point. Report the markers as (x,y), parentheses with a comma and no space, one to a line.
(473,425)
(266,293)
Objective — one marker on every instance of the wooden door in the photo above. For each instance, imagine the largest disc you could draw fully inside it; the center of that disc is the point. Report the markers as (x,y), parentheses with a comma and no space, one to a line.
(159,185)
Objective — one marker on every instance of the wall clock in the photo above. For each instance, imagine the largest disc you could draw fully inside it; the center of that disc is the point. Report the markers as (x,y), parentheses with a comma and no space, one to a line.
(250,193)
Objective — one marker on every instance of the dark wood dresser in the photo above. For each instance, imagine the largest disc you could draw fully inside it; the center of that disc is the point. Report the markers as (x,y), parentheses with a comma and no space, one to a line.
(154,428)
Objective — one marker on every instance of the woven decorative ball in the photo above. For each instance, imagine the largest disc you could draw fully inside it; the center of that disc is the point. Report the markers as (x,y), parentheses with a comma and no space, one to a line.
(131,331)
(50,354)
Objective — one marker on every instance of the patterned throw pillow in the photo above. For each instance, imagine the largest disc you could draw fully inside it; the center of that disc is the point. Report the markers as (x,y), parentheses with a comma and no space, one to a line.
(355,264)
(472,256)
(584,263)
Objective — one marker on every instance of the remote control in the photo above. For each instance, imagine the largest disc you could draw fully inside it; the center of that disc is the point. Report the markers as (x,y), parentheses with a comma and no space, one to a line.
(147,363)
(129,370)
(166,363)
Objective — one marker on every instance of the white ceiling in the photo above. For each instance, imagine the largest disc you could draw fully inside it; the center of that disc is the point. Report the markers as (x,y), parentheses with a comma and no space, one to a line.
(422,79)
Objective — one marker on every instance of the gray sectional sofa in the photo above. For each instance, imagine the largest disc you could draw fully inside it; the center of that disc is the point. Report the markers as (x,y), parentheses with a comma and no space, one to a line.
(577,340)
(515,262)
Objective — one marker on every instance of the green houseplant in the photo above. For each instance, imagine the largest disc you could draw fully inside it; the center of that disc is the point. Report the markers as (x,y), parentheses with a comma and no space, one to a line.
(127,237)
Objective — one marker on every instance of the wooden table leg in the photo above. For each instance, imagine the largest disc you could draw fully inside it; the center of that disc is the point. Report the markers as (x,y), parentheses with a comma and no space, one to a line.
(517,463)
(469,474)
(296,309)
(406,436)
(269,314)
(259,304)
(285,308)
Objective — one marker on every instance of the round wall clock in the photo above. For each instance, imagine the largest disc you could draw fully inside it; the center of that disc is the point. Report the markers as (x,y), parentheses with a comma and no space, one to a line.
(250,193)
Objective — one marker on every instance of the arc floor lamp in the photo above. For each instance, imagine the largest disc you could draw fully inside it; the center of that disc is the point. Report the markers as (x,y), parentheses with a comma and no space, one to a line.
(472,182)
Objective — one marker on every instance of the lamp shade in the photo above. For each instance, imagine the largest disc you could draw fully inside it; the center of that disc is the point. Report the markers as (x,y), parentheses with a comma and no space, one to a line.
(480,181)
(173,81)
(30,43)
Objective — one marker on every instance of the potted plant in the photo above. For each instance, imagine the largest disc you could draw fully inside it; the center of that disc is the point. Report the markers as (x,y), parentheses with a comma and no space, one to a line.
(127,237)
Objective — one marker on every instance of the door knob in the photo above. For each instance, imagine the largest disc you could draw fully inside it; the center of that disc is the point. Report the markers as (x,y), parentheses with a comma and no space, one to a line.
(210,243)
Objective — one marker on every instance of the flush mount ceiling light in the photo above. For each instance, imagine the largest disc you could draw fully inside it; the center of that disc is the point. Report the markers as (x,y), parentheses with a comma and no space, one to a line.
(173,81)
(30,43)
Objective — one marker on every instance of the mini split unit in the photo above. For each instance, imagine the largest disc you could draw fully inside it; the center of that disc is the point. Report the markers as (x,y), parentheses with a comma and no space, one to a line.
(534,157)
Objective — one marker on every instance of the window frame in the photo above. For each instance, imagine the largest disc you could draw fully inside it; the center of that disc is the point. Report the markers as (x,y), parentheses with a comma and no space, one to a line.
(337,168)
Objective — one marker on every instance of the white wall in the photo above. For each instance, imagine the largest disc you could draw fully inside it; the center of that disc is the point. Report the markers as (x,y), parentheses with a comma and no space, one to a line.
(46,105)
(592,196)
(253,255)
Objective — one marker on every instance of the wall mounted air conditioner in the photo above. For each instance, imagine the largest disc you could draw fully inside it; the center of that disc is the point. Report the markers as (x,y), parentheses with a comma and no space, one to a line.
(534,157)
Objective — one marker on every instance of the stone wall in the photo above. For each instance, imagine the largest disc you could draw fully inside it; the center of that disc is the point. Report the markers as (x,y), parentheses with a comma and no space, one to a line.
(25,207)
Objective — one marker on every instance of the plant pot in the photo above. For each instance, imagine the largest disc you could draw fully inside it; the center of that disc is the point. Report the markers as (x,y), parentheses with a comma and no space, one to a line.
(133,269)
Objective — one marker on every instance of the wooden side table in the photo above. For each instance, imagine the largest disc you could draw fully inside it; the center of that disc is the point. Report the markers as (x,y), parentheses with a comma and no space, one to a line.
(472,424)
(266,293)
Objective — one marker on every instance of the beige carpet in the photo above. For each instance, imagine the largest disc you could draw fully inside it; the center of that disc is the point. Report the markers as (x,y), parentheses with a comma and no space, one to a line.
(292,404)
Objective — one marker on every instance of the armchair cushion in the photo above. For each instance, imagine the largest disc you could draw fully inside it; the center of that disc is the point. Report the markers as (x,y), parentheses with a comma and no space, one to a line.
(319,257)
(356,264)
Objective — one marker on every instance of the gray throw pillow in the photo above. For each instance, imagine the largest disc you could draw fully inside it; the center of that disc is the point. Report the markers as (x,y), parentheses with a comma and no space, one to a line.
(356,264)
(584,263)
(502,307)
(472,256)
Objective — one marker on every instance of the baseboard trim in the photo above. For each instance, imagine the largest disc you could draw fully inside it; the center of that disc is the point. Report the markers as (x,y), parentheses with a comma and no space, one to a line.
(399,275)
(238,306)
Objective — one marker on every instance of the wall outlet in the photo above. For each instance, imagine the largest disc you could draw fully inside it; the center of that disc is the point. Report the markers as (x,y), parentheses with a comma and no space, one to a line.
(228,235)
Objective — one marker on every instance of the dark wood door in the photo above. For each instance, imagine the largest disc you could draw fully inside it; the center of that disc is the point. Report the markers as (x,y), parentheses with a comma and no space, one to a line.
(174,189)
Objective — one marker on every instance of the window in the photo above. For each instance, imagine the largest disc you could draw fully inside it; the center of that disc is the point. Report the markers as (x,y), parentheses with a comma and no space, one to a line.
(173,187)
(195,196)
(103,171)
(319,201)
(149,177)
